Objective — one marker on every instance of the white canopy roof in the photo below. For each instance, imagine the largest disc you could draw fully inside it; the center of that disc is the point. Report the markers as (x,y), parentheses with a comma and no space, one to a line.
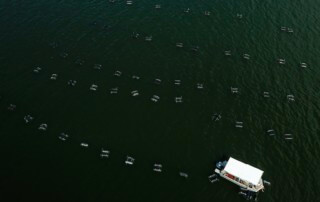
(243,171)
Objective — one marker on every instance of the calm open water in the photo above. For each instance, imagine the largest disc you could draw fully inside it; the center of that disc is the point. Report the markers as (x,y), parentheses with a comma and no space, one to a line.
(37,166)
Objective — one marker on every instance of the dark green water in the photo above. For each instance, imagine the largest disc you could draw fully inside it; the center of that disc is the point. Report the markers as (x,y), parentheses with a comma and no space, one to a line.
(37,166)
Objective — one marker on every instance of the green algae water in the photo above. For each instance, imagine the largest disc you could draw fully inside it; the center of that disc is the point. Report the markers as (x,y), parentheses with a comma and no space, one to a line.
(68,38)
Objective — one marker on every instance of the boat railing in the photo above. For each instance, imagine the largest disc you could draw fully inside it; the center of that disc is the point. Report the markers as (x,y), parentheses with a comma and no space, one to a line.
(244,183)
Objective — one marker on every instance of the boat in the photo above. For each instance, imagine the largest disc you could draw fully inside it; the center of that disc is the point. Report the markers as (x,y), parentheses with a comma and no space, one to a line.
(213,178)
(28,118)
(129,160)
(37,70)
(117,73)
(178,99)
(148,38)
(157,168)
(246,56)
(234,90)
(303,65)
(248,195)
(288,137)
(187,10)
(290,98)
(182,174)
(93,87)
(54,76)
(179,45)
(216,117)
(266,94)
(63,136)
(239,124)
(155,98)
(199,85)
(114,90)
(227,53)
(104,153)
(283,29)
(271,132)
(134,93)
(245,176)
(177,82)
(12,107)
(135,35)
(282,61)
(43,127)
(97,66)
(84,144)
(157,81)
(239,15)
(72,82)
